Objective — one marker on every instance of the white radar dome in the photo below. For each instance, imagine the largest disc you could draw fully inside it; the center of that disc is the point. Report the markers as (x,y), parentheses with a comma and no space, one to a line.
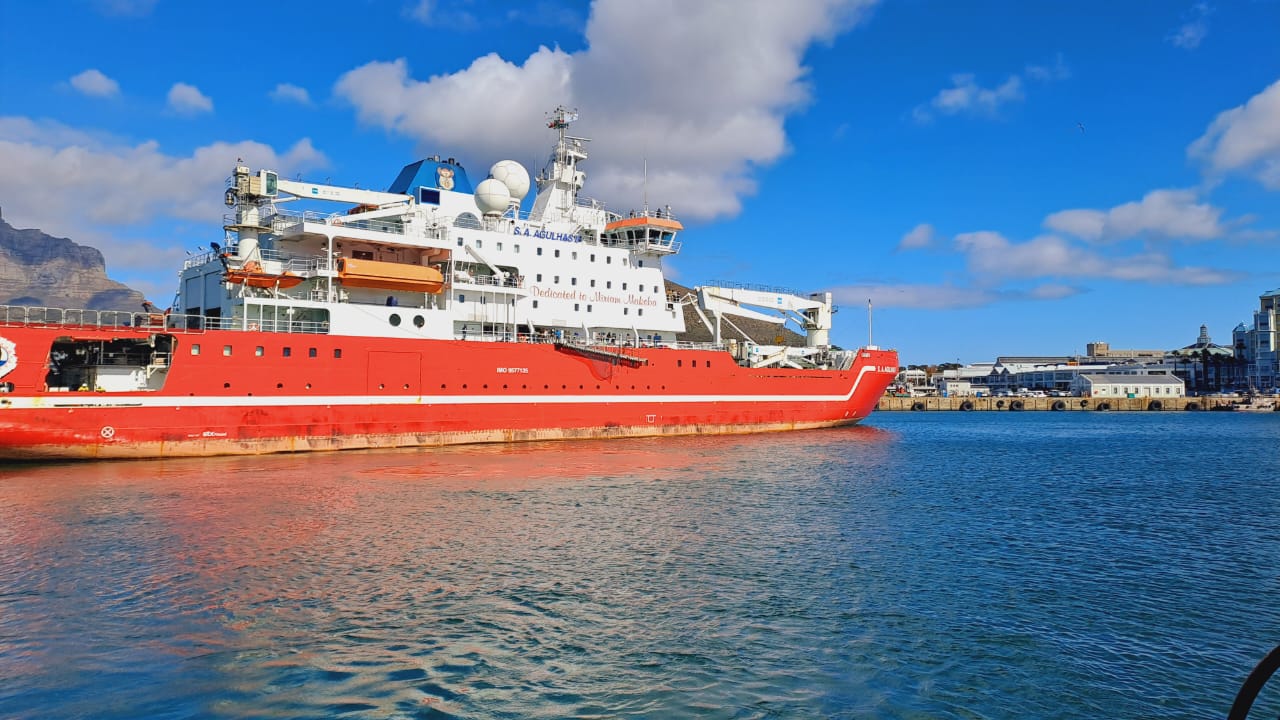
(492,197)
(513,175)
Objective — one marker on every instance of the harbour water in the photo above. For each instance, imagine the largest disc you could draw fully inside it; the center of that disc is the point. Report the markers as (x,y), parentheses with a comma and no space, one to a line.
(924,565)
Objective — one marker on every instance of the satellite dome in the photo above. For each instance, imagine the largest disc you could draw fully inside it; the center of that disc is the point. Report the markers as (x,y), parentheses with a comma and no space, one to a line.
(492,197)
(513,175)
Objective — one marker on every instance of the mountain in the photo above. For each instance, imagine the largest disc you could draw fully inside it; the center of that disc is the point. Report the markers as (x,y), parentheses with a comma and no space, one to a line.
(740,328)
(42,270)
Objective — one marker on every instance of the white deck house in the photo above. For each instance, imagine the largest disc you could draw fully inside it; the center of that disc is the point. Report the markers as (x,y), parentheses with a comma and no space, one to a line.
(1107,385)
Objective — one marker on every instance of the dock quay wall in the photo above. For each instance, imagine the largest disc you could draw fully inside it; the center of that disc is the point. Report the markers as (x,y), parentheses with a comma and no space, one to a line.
(1061,404)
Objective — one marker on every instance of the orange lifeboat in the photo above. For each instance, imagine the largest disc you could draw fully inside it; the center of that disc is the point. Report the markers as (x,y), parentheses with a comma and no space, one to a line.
(252,275)
(389,275)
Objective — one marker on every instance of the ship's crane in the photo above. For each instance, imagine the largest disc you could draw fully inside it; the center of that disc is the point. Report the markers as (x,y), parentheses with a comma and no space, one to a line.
(812,314)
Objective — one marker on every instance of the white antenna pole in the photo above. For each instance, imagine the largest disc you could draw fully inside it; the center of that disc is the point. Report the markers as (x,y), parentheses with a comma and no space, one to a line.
(646,187)
(869,343)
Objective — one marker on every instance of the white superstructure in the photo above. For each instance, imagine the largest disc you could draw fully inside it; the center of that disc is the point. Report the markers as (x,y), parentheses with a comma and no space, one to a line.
(435,257)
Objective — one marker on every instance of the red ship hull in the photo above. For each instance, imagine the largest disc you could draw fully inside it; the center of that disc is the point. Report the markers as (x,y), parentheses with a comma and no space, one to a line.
(234,392)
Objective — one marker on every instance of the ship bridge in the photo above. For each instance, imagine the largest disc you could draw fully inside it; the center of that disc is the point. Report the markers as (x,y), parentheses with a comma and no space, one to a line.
(648,231)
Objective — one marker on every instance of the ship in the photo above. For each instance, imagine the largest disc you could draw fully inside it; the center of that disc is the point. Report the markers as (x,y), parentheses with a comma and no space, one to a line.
(432,313)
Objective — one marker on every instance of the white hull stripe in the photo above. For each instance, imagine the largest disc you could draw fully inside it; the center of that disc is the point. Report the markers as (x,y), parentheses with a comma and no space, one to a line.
(72,401)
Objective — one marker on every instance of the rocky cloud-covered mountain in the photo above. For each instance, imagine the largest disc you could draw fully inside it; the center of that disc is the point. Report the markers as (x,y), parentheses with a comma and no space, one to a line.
(42,270)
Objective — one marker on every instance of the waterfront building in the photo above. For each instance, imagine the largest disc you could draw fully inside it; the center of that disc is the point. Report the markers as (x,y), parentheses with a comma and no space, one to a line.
(1102,351)
(1113,385)
(1258,347)
(1208,367)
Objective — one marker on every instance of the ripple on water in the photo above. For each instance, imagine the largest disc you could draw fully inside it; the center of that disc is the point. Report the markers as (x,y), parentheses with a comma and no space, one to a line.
(984,565)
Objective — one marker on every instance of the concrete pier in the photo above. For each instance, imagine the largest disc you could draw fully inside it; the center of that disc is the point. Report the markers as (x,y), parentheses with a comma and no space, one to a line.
(1060,404)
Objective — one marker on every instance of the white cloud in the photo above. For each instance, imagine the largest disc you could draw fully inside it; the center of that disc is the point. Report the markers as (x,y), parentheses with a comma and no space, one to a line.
(990,255)
(1245,139)
(1196,26)
(287,92)
(188,100)
(967,97)
(942,297)
(921,236)
(1160,213)
(703,120)
(94,83)
(72,184)
(431,13)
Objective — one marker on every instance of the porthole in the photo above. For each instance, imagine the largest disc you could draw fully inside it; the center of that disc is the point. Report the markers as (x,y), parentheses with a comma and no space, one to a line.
(308,386)
(381,386)
(418,321)
(279,386)
(394,320)
(226,385)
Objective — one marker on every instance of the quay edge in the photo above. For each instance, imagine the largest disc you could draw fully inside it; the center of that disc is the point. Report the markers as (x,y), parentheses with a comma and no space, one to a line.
(1061,404)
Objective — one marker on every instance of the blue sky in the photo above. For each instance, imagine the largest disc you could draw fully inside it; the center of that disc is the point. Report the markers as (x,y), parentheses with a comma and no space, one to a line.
(999,177)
